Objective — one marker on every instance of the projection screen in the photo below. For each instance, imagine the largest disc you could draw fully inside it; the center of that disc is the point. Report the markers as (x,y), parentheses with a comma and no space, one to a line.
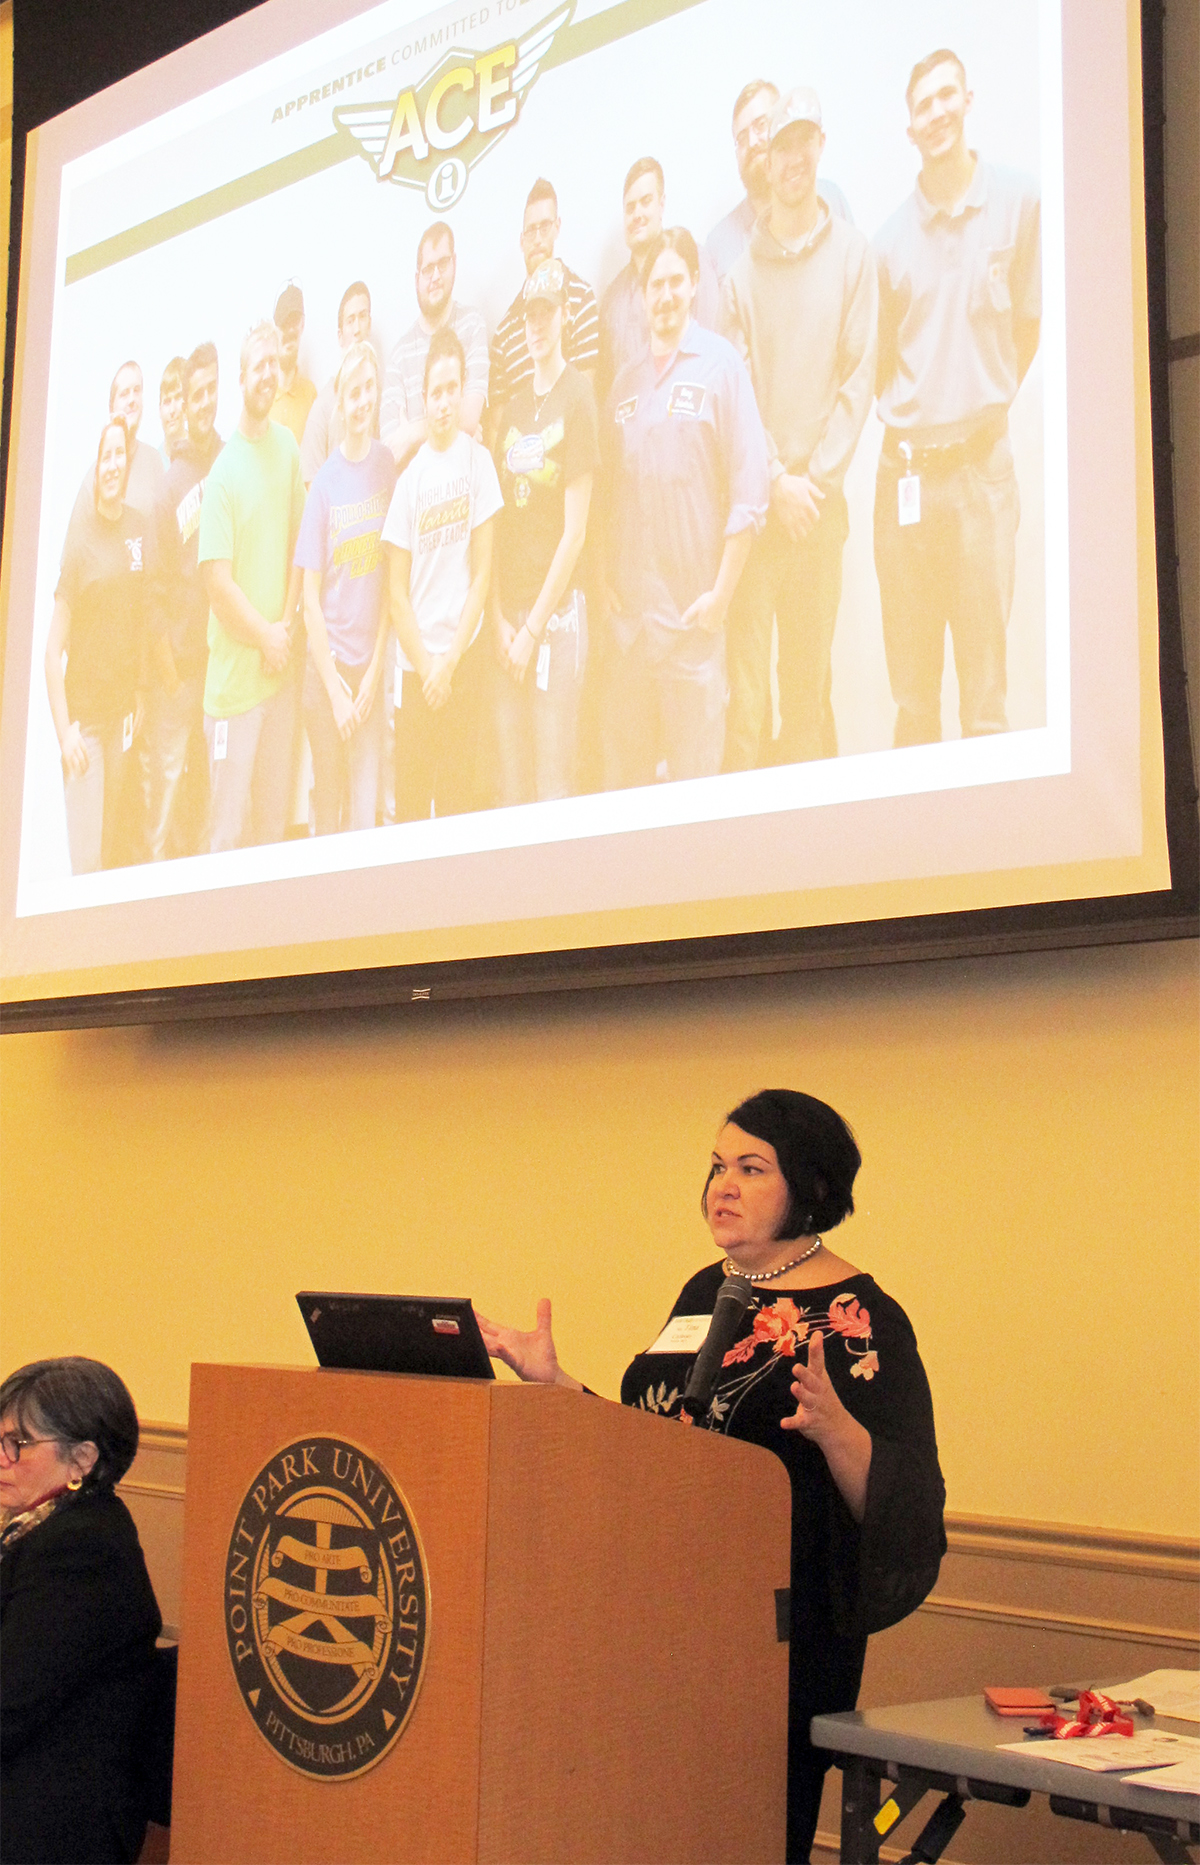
(311,146)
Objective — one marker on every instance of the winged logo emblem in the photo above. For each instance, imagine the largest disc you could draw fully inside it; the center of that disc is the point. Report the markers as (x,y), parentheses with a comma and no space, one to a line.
(433,134)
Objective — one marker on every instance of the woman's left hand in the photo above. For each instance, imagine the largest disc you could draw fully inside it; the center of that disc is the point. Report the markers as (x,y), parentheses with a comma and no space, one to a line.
(819,1413)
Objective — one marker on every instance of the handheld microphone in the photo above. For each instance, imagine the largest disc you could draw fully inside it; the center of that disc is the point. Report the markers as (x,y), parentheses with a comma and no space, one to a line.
(733,1300)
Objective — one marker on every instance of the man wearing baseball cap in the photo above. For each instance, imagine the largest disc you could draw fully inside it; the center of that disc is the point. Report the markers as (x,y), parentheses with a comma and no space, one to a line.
(296,393)
(547,451)
(751,126)
(511,363)
(800,305)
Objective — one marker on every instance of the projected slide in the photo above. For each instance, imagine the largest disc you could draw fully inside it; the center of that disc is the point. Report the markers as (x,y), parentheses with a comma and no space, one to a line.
(496,465)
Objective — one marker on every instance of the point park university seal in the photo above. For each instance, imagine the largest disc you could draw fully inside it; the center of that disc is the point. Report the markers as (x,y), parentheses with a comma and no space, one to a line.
(326,1607)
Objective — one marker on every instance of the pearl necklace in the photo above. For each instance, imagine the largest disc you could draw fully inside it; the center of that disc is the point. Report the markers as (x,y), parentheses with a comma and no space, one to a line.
(769,1275)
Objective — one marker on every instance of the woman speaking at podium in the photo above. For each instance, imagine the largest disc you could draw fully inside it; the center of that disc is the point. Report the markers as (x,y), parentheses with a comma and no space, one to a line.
(817,1364)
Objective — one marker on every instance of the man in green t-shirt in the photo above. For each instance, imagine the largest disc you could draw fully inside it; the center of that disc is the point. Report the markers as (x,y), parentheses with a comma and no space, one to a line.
(253,504)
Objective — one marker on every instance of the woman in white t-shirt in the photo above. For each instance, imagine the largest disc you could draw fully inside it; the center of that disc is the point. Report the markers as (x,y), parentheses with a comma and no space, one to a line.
(439,533)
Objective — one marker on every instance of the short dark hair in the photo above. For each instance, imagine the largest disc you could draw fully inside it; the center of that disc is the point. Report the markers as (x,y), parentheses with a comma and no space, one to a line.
(751,90)
(441,229)
(923,67)
(675,240)
(542,190)
(204,356)
(645,165)
(445,342)
(74,1400)
(817,1153)
(130,363)
(357,290)
(173,373)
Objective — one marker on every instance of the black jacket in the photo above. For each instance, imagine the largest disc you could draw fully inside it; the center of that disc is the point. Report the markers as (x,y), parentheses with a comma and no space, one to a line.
(78,1622)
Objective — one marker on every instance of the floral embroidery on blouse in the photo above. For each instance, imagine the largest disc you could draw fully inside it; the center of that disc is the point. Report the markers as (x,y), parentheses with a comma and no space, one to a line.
(781,1327)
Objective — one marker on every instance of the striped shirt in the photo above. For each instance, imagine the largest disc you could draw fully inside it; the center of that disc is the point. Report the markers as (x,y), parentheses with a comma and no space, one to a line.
(511,362)
(404,382)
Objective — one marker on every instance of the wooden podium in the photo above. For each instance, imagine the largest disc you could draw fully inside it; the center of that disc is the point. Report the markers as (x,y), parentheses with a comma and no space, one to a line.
(602,1676)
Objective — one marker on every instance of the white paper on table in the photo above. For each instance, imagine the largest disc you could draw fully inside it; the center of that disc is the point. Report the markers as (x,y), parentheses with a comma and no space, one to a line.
(1182,1777)
(1173,1693)
(1114,1754)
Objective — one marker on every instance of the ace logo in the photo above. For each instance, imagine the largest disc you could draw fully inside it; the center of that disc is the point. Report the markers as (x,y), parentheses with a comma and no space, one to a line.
(436,131)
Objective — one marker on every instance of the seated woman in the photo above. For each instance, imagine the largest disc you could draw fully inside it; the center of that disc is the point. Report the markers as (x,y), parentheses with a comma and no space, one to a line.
(852,1419)
(78,1619)
(100,622)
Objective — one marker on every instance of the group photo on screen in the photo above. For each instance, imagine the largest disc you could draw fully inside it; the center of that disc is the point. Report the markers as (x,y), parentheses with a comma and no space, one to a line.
(686,423)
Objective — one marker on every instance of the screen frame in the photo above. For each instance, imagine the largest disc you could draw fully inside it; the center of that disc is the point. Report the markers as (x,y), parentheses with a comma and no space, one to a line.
(42,89)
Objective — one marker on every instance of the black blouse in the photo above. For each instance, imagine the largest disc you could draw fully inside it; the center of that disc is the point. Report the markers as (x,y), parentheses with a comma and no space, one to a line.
(848,1579)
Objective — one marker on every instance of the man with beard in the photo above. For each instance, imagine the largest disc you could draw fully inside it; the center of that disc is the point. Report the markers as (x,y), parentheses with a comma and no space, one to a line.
(402,423)
(959,320)
(687,483)
(177,757)
(751,137)
(249,521)
(800,305)
(624,329)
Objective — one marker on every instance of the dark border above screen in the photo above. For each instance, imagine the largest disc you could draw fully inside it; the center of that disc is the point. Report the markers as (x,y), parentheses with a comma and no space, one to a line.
(108,47)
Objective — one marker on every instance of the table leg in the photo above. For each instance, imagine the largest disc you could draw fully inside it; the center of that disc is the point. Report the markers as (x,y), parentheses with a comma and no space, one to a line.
(860,1804)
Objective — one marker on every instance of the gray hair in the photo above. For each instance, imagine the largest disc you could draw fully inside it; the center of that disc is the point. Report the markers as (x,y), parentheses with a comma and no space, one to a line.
(76,1401)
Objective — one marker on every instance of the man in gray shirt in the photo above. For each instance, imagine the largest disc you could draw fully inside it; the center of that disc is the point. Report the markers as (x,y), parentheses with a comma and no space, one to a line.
(751,131)
(800,304)
(959,319)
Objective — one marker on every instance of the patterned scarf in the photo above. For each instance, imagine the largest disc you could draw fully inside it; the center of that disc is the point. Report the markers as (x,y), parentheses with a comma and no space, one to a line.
(16,1523)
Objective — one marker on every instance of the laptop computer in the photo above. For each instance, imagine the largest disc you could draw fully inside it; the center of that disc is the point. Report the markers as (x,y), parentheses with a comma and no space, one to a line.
(434,1335)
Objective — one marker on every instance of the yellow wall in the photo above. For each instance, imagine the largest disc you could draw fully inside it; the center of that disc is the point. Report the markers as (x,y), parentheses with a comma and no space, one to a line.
(1029,1193)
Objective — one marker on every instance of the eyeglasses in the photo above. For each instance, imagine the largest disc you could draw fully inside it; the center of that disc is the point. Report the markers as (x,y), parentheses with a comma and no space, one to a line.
(434,266)
(754,131)
(538,230)
(12,1445)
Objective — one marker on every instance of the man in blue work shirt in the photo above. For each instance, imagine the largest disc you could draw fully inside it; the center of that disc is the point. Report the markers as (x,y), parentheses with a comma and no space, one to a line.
(959,319)
(623,329)
(688,489)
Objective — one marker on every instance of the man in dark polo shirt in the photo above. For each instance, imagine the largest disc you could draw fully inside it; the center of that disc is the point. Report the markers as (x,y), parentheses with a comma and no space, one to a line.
(800,305)
(511,364)
(959,318)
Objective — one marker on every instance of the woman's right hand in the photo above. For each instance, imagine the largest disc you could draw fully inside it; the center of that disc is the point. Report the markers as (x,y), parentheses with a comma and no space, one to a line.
(74,752)
(530,1355)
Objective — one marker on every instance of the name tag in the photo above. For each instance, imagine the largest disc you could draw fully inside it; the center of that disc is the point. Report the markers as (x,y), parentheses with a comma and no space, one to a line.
(127,731)
(527,455)
(220,739)
(625,410)
(682,1334)
(908,499)
(399,688)
(686,398)
(543,668)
